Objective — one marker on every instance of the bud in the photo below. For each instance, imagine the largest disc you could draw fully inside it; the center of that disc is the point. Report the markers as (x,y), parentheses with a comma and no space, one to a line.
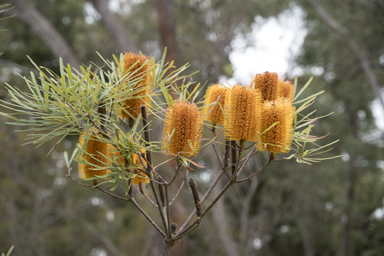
(286,89)
(266,83)
(96,151)
(242,109)
(184,120)
(216,116)
(280,135)
(140,76)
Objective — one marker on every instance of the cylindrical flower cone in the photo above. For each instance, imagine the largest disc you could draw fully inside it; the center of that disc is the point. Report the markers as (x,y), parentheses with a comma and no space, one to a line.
(278,139)
(96,151)
(286,89)
(141,79)
(216,115)
(182,129)
(266,83)
(242,109)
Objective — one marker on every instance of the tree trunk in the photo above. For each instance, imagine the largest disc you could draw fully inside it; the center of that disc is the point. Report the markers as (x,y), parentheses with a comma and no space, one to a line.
(167,28)
(44,29)
(115,29)
(357,49)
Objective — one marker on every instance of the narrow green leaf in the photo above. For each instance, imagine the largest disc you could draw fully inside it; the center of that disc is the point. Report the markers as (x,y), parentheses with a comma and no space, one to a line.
(303,89)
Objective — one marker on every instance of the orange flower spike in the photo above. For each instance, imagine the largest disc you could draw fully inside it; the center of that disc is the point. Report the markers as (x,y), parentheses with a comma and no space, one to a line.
(280,135)
(141,80)
(242,105)
(286,89)
(266,83)
(216,116)
(96,152)
(185,121)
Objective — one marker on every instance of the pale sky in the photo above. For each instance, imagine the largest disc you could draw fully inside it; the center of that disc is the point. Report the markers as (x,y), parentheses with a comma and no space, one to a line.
(275,42)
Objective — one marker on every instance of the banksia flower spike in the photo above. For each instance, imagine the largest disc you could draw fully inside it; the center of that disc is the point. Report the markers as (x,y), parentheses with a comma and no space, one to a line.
(184,122)
(286,89)
(142,80)
(216,116)
(266,83)
(96,152)
(242,109)
(278,139)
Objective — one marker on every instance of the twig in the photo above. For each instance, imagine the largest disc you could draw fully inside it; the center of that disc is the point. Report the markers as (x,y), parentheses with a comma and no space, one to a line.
(147,138)
(147,197)
(169,232)
(177,193)
(253,175)
(233,157)
(130,199)
(195,223)
(147,216)
(192,184)
(246,159)
(214,183)
(174,177)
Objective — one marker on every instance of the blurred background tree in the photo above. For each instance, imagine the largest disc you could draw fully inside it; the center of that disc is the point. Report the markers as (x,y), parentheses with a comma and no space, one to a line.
(332,208)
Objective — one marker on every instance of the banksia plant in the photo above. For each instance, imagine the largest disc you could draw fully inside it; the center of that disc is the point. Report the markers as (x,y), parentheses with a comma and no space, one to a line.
(138,68)
(285,89)
(216,116)
(95,154)
(278,138)
(266,83)
(242,109)
(183,127)
(86,102)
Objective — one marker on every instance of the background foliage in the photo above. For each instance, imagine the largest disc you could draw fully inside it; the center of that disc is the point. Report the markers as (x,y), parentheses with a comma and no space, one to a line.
(331,208)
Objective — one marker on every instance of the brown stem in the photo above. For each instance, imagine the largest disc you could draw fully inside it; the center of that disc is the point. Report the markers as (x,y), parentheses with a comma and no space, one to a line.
(226,154)
(145,195)
(233,156)
(177,193)
(130,199)
(167,247)
(214,183)
(253,175)
(192,184)
(147,139)
(195,224)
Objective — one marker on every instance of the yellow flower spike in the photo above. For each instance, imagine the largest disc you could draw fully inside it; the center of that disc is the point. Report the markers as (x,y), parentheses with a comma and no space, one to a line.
(216,116)
(286,89)
(242,109)
(266,83)
(185,121)
(96,152)
(280,135)
(143,79)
